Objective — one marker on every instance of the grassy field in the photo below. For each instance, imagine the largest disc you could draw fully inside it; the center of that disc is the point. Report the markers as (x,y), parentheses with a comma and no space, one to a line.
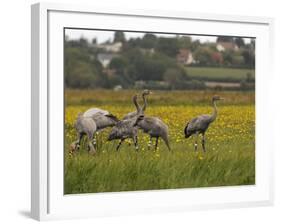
(219,74)
(229,160)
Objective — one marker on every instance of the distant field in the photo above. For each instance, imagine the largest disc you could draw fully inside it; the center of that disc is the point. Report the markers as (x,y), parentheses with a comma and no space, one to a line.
(105,98)
(219,74)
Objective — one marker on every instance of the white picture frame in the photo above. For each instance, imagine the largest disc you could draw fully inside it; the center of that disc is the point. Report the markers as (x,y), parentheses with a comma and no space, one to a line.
(48,201)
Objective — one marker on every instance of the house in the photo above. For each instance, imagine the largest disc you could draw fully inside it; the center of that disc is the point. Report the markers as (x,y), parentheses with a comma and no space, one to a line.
(105,58)
(111,47)
(185,57)
(117,88)
(223,46)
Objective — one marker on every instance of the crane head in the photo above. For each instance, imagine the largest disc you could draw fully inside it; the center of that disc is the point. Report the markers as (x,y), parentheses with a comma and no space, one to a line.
(146,92)
(216,97)
(187,133)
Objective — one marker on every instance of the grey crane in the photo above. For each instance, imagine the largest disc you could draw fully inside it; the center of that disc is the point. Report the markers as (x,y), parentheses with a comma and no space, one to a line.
(155,127)
(145,93)
(200,124)
(126,128)
(84,126)
(94,111)
(104,121)
(102,118)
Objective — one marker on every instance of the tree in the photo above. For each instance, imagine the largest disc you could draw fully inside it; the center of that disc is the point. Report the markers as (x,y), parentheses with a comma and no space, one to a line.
(80,70)
(225,39)
(217,58)
(168,46)
(227,57)
(203,55)
(148,41)
(195,44)
(119,36)
(239,42)
(81,76)
(150,69)
(94,40)
(118,63)
(185,42)
(124,73)
(83,42)
(249,58)
(174,76)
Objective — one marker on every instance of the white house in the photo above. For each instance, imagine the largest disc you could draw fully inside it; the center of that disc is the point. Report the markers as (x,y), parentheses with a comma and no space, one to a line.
(185,57)
(111,47)
(105,58)
(223,46)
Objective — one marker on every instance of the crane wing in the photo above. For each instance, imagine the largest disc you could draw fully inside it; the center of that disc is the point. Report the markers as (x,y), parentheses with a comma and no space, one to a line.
(95,111)
(199,123)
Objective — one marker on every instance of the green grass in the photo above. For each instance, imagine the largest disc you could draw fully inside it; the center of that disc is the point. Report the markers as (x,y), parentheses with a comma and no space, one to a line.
(128,170)
(229,160)
(219,74)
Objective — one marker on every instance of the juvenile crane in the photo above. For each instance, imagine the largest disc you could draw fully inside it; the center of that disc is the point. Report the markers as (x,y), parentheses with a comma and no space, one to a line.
(126,128)
(102,118)
(94,111)
(104,121)
(155,127)
(145,93)
(200,124)
(84,126)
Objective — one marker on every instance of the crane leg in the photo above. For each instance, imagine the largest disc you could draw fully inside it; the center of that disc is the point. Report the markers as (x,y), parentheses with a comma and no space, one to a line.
(91,147)
(203,142)
(95,141)
(136,143)
(78,142)
(156,144)
(150,142)
(118,146)
(196,141)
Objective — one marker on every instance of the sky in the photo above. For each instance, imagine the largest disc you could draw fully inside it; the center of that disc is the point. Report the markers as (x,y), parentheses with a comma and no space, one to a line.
(103,36)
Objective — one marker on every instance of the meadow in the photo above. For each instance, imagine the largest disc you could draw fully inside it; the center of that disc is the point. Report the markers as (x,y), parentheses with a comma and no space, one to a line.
(219,74)
(229,160)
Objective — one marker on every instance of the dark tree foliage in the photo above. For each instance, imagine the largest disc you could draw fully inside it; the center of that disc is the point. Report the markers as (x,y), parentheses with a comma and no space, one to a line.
(148,41)
(119,36)
(239,41)
(168,46)
(185,42)
(149,69)
(203,55)
(225,39)
(249,58)
(80,70)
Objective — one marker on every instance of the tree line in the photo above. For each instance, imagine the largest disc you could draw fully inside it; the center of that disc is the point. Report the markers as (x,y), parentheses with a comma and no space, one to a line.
(148,61)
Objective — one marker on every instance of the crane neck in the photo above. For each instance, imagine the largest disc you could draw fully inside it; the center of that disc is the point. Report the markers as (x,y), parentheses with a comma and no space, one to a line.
(136,104)
(144,102)
(215,112)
